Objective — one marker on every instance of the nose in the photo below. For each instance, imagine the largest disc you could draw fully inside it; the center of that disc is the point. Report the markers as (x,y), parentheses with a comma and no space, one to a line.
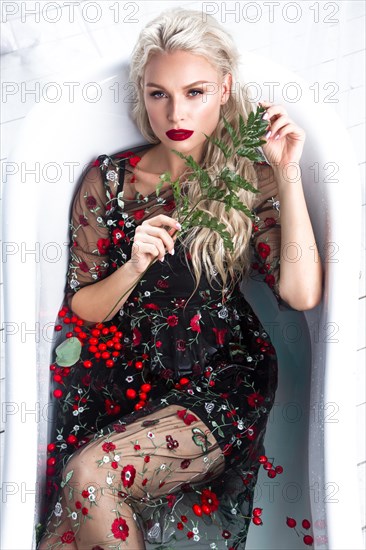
(175,110)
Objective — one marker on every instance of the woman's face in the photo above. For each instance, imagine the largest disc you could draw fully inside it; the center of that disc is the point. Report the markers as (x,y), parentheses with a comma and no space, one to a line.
(176,98)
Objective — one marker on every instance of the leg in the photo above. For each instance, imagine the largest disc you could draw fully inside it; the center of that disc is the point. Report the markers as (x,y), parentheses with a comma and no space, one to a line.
(114,480)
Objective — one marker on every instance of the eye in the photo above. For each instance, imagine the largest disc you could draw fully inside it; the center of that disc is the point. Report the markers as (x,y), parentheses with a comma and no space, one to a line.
(153,94)
(198,91)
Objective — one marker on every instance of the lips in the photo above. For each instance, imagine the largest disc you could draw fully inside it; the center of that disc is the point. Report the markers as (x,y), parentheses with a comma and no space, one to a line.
(178,135)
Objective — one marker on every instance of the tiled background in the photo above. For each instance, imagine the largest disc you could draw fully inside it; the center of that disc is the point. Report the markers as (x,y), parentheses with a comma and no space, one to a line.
(326,45)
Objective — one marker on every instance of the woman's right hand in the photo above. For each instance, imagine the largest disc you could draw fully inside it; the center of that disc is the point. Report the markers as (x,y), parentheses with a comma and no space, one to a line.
(151,240)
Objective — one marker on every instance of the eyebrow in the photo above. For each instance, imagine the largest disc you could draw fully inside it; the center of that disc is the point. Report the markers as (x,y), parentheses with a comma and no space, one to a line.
(153,85)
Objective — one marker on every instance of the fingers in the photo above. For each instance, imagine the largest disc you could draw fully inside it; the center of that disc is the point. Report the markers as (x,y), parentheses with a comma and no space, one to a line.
(152,233)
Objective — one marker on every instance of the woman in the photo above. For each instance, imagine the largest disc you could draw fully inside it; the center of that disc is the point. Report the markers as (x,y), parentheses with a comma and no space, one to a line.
(167,409)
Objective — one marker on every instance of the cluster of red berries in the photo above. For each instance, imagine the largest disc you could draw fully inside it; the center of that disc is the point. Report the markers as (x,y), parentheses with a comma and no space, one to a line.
(171,443)
(291,522)
(267,465)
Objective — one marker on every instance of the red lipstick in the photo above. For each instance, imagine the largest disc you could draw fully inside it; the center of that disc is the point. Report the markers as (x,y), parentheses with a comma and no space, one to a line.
(179,135)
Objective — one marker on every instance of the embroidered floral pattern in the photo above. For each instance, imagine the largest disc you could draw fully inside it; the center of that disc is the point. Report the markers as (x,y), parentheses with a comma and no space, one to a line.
(210,356)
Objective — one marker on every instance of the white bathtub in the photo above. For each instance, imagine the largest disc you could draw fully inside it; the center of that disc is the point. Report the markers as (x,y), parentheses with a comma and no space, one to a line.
(312,427)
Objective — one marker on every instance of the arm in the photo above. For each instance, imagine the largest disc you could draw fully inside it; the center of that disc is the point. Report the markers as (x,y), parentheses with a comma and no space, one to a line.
(90,292)
(301,269)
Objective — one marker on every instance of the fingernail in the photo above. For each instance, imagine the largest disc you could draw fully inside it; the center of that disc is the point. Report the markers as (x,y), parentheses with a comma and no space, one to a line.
(162,259)
(172,252)
(268,134)
(277,137)
(265,116)
(178,226)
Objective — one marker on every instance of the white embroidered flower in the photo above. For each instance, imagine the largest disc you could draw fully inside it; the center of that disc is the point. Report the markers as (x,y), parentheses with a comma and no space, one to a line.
(162,467)
(59,438)
(80,391)
(234,511)
(196,538)
(81,409)
(150,435)
(91,498)
(195,530)
(111,175)
(276,205)
(109,480)
(74,516)
(223,407)
(240,425)
(209,407)
(213,546)
(124,215)
(128,224)
(154,531)
(249,359)
(117,458)
(147,293)
(106,459)
(99,219)
(76,428)
(129,379)
(191,392)
(74,283)
(63,446)
(223,313)
(205,459)
(58,509)
(91,489)
(75,413)
(198,389)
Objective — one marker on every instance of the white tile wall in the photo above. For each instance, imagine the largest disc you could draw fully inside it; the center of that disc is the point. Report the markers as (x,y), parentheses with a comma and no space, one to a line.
(320,51)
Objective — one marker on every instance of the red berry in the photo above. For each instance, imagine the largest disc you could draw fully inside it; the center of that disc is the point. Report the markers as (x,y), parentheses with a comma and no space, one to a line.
(308,540)
(197,509)
(184,381)
(267,465)
(109,363)
(131,393)
(57,394)
(206,509)
(257,520)
(58,328)
(138,365)
(88,364)
(271,473)
(257,511)
(146,387)
(143,396)
(51,461)
(262,459)
(71,439)
(51,447)
(279,469)
(306,524)
(57,378)
(180,526)
(291,522)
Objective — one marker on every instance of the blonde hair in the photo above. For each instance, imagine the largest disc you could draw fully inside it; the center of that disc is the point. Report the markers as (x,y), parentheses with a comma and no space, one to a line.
(183,29)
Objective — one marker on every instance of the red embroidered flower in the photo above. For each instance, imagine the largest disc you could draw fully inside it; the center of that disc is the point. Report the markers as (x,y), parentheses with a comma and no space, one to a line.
(264,250)
(194,323)
(128,475)
(103,245)
(170,205)
(96,163)
(185,463)
(228,449)
(269,279)
(209,499)
(171,500)
(91,202)
(138,214)
(134,160)
(117,235)
(251,433)
(120,529)
(83,221)
(220,335)
(180,345)
(269,222)
(84,267)
(136,336)
(119,428)
(172,320)
(162,283)
(151,306)
(111,407)
(255,399)
(108,447)
(187,418)
(68,537)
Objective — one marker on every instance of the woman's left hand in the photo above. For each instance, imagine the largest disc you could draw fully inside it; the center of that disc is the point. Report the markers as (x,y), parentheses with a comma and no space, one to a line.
(289,145)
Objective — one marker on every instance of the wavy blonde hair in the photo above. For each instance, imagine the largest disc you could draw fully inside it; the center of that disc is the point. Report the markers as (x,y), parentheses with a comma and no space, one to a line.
(183,29)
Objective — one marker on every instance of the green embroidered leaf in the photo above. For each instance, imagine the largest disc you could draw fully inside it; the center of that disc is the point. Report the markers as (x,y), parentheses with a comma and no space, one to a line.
(68,352)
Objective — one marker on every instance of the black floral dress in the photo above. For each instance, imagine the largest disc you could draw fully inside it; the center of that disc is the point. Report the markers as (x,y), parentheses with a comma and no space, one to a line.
(211,356)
